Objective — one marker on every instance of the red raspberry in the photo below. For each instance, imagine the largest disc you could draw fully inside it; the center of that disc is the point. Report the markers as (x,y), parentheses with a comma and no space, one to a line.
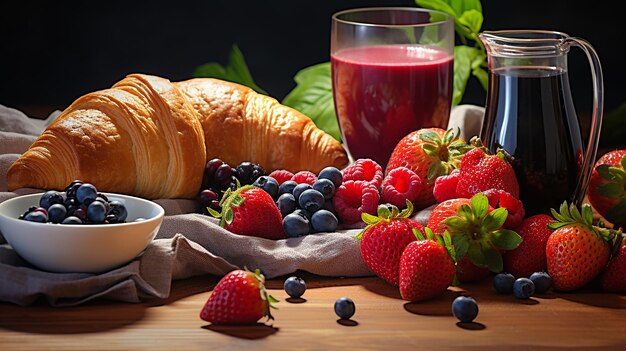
(364,169)
(281,175)
(401,184)
(445,186)
(354,197)
(304,177)
(501,198)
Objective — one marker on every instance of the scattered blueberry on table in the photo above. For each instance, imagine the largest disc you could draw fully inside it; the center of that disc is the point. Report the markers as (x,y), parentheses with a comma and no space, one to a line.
(465,309)
(503,283)
(294,287)
(344,307)
(523,288)
(542,282)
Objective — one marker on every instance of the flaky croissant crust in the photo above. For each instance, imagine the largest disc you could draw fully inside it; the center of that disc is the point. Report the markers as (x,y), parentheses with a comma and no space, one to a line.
(151,138)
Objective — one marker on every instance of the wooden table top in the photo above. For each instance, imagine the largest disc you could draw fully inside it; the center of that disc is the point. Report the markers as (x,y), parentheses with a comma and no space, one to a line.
(587,320)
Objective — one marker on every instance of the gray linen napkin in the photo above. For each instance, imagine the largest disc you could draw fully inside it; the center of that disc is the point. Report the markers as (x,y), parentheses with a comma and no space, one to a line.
(186,245)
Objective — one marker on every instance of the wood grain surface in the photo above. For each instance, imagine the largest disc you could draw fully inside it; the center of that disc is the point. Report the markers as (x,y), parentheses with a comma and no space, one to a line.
(585,320)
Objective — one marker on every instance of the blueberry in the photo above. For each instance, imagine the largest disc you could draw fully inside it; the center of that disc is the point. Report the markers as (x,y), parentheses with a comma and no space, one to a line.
(96,212)
(344,307)
(118,209)
(303,213)
(50,198)
(248,172)
(503,283)
(36,216)
(542,282)
(287,187)
(30,209)
(86,193)
(523,288)
(286,204)
(269,184)
(57,213)
(70,190)
(296,225)
(72,220)
(326,187)
(299,189)
(465,309)
(294,287)
(332,174)
(324,221)
(311,200)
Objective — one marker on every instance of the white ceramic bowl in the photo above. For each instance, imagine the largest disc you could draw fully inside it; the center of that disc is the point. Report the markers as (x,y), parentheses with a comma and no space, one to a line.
(85,248)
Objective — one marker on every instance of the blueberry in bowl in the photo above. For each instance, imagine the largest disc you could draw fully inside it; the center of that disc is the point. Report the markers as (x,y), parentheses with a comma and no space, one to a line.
(71,237)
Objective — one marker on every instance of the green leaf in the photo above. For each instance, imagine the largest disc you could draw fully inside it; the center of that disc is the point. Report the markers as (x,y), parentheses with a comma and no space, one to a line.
(214,213)
(622,163)
(482,76)
(480,204)
(455,223)
(493,260)
(408,210)
(437,5)
(237,200)
(495,219)
(313,96)
(461,245)
(506,239)
(228,216)
(429,136)
(472,19)
(461,6)
(430,149)
(476,255)
(418,234)
(235,71)
(463,58)
(369,219)
(434,170)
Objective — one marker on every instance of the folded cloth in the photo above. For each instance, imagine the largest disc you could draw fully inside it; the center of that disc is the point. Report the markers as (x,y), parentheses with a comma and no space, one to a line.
(186,245)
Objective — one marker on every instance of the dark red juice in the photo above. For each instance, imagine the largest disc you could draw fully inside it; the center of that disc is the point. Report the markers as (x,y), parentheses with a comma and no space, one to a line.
(383,93)
(530,114)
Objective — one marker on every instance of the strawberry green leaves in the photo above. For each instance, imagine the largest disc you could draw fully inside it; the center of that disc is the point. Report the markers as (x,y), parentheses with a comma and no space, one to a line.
(477,233)
(385,213)
(570,215)
(446,152)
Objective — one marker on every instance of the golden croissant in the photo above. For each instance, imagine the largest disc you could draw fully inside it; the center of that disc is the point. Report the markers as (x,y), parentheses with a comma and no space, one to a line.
(150,137)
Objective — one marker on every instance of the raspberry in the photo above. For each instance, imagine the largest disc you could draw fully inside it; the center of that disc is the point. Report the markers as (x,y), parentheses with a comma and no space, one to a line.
(364,169)
(401,184)
(501,198)
(281,175)
(354,197)
(304,177)
(445,187)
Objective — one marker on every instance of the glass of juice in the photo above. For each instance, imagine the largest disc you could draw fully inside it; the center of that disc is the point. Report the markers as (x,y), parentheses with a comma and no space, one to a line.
(392,71)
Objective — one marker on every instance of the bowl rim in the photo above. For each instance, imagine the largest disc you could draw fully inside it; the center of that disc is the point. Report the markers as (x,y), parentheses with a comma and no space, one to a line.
(160,209)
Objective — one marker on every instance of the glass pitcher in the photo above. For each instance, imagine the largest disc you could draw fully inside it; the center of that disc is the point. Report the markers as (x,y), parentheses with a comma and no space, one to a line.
(530,114)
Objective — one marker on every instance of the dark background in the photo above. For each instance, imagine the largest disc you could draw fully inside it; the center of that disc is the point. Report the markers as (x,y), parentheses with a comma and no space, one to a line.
(53,52)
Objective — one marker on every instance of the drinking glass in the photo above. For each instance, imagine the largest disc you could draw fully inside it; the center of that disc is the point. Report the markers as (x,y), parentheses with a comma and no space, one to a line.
(392,71)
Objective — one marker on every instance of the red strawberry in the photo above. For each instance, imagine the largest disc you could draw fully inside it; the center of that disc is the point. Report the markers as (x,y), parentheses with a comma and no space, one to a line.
(238,298)
(307,177)
(250,211)
(576,251)
(384,239)
(445,186)
(430,153)
(530,256)
(500,198)
(281,175)
(607,187)
(480,172)
(614,276)
(476,231)
(366,170)
(400,185)
(426,266)
(354,197)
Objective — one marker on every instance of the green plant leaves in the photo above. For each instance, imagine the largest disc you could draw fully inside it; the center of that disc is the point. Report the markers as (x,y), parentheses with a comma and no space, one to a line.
(313,96)
(506,239)
(467,60)
(236,70)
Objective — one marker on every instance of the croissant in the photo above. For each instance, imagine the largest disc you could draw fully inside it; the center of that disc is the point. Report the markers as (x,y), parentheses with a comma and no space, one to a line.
(149,137)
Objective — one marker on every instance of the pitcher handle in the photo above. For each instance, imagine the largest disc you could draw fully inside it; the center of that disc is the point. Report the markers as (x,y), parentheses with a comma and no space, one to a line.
(596,117)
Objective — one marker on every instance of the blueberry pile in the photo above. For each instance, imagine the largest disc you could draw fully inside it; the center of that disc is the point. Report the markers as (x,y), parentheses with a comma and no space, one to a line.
(305,208)
(80,203)
(219,176)
(522,288)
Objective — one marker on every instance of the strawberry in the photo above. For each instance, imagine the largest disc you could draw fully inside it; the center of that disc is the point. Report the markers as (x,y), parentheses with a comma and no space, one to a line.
(250,211)
(426,266)
(576,251)
(430,153)
(607,187)
(480,172)
(530,256)
(500,198)
(476,231)
(384,239)
(238,298)
(614,276)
